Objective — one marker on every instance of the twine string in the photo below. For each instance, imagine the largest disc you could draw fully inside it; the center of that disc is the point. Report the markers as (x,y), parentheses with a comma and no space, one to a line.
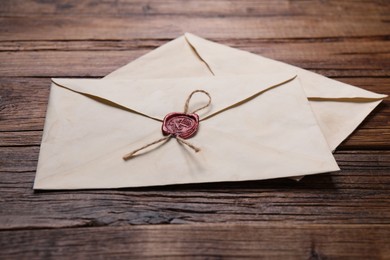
(129,155)
(168,137)
(193,147)
(186,105)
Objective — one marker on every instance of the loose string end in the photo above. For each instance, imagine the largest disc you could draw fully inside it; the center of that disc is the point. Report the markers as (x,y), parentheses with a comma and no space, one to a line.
(128,156)
(193,147)
(132,154)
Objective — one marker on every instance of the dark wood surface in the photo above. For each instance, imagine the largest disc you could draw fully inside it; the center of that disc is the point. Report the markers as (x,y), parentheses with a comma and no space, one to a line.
(343,215)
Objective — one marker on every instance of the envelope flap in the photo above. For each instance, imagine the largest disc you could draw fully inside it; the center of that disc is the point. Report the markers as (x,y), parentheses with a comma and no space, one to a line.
(224,60)
(171,60)
(157,97)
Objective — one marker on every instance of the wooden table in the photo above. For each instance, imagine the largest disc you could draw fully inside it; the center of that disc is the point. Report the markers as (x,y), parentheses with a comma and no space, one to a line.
(328,216)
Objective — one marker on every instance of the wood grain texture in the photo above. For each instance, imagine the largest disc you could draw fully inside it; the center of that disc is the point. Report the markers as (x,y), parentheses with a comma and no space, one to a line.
(340,215)
(356,194)
(196,7)
(84,58)
(275,241)
(62,27)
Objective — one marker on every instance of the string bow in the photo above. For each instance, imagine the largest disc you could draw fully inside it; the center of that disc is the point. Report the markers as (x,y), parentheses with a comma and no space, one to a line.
(173,126)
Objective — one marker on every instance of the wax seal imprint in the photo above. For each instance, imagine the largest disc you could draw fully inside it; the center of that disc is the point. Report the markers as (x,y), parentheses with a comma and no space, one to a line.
(180,124)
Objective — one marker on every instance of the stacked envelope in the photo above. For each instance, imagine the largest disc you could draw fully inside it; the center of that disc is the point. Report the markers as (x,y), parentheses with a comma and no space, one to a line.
(267,119)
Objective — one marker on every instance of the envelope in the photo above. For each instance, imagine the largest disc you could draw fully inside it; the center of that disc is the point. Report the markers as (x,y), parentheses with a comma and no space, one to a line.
(267,120)
(257,127)
(339,108)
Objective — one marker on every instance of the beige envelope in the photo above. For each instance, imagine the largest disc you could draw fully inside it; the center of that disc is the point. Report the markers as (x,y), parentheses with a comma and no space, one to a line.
(257,127)
(90,125)
(338,107)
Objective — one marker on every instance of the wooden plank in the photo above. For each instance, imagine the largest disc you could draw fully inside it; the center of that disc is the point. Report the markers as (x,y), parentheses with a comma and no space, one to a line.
(62,27)
(243,8)
(357,194)
(312,204)
(64,64)
(233,241)
(22,108)
(359,57)
(21,138)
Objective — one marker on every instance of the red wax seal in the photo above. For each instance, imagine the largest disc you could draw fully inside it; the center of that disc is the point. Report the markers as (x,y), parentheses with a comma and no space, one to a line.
(180,124)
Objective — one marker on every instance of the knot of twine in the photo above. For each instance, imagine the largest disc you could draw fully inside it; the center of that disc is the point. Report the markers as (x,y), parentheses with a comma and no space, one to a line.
(168,137)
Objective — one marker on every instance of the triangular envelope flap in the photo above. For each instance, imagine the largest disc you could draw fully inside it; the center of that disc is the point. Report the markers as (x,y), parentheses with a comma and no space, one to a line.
(156,98)
(224,60)
(320,87)
(167,61)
